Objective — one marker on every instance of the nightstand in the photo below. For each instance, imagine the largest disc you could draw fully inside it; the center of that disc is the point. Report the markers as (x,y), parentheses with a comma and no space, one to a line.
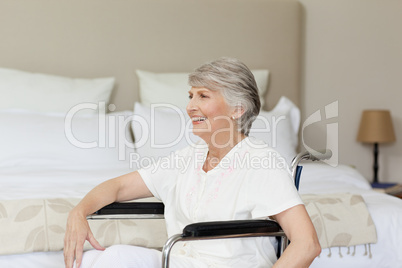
(393,189)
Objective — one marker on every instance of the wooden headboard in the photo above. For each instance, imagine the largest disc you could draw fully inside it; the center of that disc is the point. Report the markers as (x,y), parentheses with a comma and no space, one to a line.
(95,38)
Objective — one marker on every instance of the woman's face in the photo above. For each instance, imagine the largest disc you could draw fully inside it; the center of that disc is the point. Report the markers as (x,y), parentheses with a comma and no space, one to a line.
(210,115)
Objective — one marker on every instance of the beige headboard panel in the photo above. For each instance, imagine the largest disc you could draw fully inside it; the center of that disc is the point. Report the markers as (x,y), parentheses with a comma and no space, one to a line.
(95,38)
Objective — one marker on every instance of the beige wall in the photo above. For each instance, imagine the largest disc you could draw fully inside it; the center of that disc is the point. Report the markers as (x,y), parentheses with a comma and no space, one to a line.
(353,55)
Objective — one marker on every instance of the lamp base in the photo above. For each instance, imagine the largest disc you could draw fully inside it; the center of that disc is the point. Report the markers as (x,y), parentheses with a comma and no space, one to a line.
(375,166)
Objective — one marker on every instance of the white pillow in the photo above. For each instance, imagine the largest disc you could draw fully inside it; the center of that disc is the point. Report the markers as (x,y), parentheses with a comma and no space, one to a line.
(159,130)
(40,139)
(172,88)
(321,178)
(279,128)
(50,93)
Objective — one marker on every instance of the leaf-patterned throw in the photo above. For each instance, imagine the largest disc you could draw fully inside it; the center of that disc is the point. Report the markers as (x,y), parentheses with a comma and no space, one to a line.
(32,225)
(341,220)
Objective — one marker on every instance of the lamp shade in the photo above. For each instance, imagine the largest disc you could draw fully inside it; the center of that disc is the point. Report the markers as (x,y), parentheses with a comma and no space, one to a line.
(376,127)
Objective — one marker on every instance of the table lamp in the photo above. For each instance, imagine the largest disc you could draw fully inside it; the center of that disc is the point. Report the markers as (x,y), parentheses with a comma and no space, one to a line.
(376,127)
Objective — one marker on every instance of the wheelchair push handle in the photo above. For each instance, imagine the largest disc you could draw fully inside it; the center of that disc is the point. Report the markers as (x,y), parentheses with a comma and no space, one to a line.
(313,156)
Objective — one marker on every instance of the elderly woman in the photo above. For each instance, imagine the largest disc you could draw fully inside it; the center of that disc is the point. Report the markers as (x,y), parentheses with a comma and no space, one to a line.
(223,182)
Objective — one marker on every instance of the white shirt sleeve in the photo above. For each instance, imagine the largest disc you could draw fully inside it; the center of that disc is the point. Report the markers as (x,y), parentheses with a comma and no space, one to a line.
(271,191)
(160,177)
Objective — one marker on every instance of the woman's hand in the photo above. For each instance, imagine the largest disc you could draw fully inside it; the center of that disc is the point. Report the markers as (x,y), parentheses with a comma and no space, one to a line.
(123,188)
(77,232)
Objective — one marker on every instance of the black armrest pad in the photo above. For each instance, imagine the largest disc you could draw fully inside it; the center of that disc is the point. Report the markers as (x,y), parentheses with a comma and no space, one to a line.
(132,208)
(230,228)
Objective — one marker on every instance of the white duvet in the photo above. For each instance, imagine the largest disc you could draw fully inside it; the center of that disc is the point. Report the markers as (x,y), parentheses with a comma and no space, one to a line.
(386,211)
(57,182)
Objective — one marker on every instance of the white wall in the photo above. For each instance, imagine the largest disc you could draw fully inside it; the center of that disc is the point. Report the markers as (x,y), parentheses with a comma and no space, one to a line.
(353,55)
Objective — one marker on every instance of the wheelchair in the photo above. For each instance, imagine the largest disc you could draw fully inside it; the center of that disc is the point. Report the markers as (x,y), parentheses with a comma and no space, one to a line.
(210,230)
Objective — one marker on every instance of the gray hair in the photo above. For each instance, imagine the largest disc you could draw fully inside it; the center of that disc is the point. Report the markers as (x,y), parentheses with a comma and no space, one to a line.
(236,83)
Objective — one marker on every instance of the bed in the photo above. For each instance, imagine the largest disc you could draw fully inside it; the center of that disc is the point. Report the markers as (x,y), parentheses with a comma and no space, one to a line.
(78,80)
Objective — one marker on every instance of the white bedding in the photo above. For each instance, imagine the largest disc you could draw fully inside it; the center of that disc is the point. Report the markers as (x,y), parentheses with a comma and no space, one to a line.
(386,211)
(56,182)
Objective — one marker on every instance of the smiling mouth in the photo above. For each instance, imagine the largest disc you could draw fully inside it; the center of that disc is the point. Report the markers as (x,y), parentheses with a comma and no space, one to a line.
(198,119)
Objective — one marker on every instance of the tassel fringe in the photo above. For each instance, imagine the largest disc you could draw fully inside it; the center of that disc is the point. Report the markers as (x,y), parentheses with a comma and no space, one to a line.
(367,251)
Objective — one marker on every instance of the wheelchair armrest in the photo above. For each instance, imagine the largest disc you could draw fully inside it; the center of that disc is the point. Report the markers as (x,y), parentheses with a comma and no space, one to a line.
(132,208)
(237,227)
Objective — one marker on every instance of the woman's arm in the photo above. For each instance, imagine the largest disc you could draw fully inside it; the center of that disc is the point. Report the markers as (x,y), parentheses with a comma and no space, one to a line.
(304,246)
(123,188)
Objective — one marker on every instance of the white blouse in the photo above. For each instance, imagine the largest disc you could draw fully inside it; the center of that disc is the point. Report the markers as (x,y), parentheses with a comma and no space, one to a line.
(251,181)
